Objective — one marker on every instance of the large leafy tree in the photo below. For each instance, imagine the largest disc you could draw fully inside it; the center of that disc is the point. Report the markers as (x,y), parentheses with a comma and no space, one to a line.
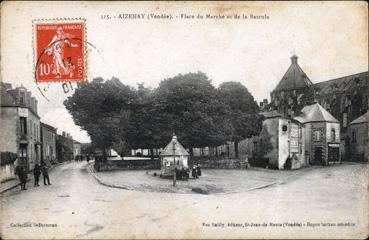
(243,112)
(189,105)
(103,109)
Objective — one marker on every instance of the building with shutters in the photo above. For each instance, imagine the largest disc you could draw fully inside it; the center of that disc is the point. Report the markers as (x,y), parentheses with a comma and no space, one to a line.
(322,135)
(20,125)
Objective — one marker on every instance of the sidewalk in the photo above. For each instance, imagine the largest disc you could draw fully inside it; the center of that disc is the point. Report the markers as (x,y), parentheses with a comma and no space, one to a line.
(14,183)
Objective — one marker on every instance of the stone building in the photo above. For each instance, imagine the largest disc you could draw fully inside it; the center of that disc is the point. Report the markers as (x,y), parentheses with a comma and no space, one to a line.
(322,135)
(281,143)
(48,138)
(174,155)
(294,91)
(20,125)
(346,98)
(358,137)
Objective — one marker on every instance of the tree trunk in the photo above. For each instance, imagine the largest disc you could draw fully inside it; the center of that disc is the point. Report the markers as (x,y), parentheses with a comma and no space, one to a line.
(191,151)
(236,148)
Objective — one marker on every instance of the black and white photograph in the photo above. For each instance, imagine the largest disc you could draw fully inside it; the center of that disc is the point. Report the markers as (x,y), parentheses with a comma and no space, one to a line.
(184,120)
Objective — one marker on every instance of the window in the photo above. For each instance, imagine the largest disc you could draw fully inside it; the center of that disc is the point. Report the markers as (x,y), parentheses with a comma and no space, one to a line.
(255,147)
(353,136)
(317,135)
(30,127)
(284,128)
(22,98)
(23,125)
(333,134)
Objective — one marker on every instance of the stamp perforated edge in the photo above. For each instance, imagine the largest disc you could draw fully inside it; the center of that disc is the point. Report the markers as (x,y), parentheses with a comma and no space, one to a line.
(35,57)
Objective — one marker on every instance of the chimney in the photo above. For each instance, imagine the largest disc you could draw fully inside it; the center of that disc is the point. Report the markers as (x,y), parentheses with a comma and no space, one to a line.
(294,59)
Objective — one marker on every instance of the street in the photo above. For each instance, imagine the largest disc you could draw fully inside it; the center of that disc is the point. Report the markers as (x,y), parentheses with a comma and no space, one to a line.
(323,202)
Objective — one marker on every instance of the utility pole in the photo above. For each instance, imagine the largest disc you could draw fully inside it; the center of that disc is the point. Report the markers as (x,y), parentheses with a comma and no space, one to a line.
(174,164)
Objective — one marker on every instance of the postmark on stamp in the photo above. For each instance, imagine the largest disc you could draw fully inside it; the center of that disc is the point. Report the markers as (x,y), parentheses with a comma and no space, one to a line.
(60,50)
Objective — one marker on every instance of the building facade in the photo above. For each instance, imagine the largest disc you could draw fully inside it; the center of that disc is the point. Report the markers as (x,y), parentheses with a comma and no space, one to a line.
(322,135)
(358,139)
(48,138)
(20,125)
(346,98)
(281,143)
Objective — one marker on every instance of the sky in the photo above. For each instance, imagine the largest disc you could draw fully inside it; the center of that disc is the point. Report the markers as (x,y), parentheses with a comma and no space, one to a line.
(330,39)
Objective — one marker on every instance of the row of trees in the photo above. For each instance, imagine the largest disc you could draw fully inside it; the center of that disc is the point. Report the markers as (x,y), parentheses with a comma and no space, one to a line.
(119,116)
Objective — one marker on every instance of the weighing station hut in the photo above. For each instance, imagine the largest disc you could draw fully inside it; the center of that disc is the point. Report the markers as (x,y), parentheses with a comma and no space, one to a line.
(174,155)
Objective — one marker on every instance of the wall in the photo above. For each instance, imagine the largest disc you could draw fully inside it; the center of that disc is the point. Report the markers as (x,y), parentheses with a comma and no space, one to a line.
(9,125)
(111,165)
(283,148)
(322,143)
(48,146)
(359,149)
(34,139)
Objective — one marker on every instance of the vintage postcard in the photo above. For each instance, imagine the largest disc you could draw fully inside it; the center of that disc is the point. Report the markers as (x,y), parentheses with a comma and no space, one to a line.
(184,120)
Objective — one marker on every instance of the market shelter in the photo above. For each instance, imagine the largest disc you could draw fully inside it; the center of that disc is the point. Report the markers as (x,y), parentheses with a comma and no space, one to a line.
(322,135)
(174,155)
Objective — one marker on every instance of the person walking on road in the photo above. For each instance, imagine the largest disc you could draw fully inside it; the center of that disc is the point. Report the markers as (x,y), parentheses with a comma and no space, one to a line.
(194,171)
(22,175)
(36,174)
(45,173)
(198,170)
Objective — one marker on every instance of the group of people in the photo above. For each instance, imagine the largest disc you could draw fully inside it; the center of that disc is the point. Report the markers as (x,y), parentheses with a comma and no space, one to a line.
(196,171)
(22,173)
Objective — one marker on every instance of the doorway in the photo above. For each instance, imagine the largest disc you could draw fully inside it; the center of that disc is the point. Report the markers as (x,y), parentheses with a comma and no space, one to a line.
(318,155)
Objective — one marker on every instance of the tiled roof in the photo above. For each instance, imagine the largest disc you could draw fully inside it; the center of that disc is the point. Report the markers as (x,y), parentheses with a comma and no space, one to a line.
(294,78)
(342,84)
(273,114)
(315,113)
(179,149)
(362,119)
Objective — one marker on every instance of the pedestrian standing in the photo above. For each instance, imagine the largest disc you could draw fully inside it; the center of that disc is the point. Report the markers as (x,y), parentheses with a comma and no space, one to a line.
(36,174)
(22,175)
(88,158)
(194,171)
(45,173)
(198,170)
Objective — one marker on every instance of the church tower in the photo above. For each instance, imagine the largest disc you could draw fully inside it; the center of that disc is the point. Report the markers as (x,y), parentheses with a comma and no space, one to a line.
(293,92)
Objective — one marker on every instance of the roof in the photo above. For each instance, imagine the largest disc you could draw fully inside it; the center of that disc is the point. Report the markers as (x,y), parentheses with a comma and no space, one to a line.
(273,114)
(294,78)
(362,119)
(315,113)
(6,98)
(276,114)
(48,127)
(179,149)
(342,84)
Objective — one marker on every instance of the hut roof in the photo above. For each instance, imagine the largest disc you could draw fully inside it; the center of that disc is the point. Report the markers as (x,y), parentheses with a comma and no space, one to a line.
(362,119)
(179,149)
(315,113)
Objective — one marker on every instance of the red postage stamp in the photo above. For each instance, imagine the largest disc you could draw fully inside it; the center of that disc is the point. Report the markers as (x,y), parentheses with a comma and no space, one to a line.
(59,51)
